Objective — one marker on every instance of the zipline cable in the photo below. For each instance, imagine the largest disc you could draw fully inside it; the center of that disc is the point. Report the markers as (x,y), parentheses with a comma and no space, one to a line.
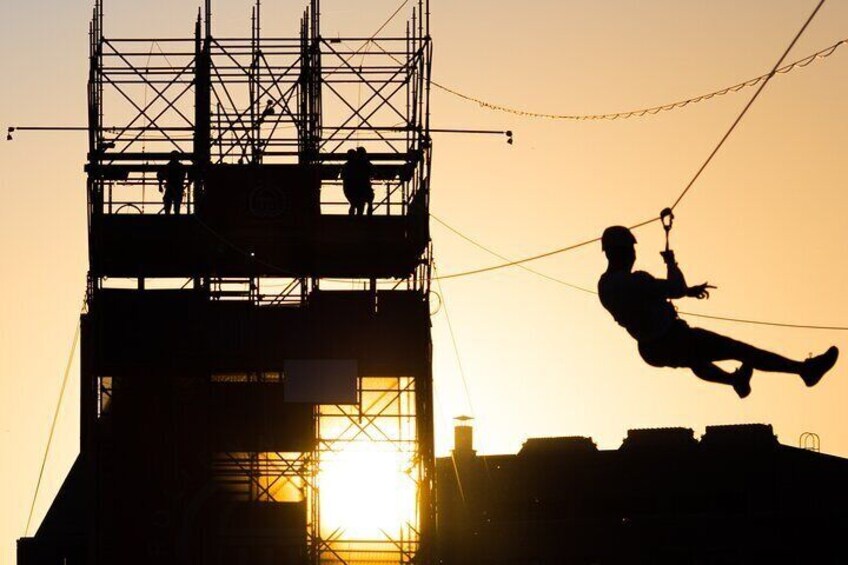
(53,427)
(748,105)
(685,190)
(653,110)
(767,323)
(594,292)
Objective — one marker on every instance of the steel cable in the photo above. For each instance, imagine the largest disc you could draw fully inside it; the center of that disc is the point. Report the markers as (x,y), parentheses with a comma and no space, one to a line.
(594,292)
(685,191)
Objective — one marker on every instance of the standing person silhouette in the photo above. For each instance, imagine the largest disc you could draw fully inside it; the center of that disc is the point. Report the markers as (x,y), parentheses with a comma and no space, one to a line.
(173,177)
(641,304)
(356,181)
(363,188)
(348,174)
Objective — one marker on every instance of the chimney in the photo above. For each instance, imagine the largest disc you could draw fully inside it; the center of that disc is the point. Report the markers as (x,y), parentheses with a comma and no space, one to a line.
(463,437)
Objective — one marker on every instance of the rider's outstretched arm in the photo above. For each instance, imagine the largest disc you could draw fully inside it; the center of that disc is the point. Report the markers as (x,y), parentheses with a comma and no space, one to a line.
(675,281)
(676,286)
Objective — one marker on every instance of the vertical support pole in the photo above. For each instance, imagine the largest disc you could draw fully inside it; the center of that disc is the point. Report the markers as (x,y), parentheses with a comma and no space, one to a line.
(99,51)
(413,76)
(258,110)
(252,85)
(258,23)
(311,83)
(408,124)
(303,93)
(316,81)
(202,106)
(88,390)
(218,112)
(93,126)
(427,70)
(95,110)
(314,531)
(94,182)
(420,19)
(301,98)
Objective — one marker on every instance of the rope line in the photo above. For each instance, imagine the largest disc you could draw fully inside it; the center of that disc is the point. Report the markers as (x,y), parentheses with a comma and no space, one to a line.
(504,258)
(767,323)
(455,345)
(594,292)
(52,428)
(388,21)
(551,253)
(653,110)
(373,36)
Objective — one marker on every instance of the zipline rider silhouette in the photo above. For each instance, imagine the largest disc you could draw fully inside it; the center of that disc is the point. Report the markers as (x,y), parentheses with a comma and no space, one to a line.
(641,304)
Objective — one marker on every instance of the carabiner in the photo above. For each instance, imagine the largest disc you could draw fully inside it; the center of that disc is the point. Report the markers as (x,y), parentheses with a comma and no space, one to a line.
(667,219)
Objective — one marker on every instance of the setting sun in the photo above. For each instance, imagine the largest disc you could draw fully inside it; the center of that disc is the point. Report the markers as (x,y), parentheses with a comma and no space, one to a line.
(369,475)
(367,492)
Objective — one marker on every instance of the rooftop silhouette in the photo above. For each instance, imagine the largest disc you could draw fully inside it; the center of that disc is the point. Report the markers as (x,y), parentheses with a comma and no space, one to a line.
(735,495)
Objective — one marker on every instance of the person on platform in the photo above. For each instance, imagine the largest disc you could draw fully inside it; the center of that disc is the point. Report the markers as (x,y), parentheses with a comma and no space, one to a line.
(172,183)
(363,181)
(356,182)
(348,175)
(642,305)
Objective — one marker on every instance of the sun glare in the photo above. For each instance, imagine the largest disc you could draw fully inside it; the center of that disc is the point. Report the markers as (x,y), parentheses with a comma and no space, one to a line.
(367,491)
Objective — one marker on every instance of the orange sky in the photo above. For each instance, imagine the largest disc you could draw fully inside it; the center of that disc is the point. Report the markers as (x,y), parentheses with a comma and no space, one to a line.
(765,222)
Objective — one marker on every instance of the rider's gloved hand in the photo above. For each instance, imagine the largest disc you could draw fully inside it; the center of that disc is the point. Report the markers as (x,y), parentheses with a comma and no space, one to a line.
(668,257)
(700,291)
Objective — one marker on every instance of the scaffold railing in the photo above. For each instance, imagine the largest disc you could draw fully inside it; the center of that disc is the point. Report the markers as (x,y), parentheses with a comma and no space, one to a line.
(213,100)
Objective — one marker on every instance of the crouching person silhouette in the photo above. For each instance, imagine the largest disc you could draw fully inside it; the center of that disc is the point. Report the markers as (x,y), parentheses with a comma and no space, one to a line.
(641,304)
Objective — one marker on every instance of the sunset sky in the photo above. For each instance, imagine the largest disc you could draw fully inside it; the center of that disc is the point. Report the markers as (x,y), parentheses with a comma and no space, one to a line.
(765,223)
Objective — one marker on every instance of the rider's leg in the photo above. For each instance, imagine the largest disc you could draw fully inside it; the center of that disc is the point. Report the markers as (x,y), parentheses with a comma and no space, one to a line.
(714,347)
(740,379)
(714,374)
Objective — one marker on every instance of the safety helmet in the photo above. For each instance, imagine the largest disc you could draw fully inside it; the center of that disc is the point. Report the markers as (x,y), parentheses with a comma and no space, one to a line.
(617,237)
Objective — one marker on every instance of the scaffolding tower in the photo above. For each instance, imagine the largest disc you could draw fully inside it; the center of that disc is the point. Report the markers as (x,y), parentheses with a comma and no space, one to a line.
(256,370)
